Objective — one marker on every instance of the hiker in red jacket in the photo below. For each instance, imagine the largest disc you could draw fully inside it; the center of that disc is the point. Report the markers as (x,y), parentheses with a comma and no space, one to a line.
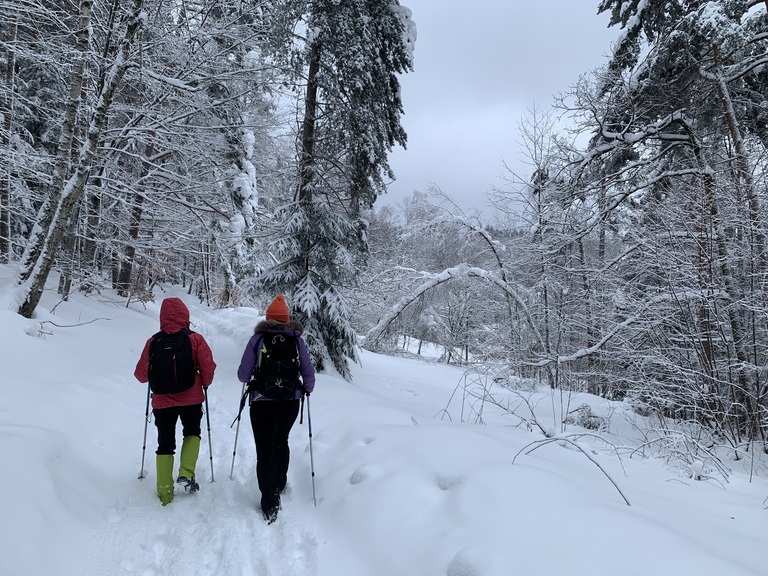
(169,406)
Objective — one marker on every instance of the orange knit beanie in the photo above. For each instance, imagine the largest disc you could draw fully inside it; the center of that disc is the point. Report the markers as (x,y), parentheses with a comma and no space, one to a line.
(278,310)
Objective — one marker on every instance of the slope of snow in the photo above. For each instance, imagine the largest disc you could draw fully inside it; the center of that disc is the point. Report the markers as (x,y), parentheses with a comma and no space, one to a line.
(403,486)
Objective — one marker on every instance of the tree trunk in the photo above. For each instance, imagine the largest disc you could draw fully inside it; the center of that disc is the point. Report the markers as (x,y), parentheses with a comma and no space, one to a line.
(92,206)
(126,267)
(307,158)
(67,258)
(6,248)
(742,163)
(115,267)
(591,340)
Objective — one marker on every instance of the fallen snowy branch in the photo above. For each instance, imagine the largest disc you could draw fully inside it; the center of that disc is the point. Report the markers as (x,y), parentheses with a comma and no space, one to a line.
(71,325)
(539,443)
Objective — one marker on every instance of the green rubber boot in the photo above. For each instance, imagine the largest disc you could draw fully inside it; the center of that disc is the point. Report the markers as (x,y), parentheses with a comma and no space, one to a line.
(164,464)
(190,448)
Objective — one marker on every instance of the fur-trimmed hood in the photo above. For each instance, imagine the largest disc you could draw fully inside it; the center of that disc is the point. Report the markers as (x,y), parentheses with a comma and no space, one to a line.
(248,363)
(275,326)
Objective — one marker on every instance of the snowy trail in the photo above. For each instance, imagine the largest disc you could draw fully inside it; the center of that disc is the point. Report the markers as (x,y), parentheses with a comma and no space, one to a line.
(219,530)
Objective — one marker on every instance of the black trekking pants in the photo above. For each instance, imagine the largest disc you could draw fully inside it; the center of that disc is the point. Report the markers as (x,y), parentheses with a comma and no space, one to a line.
(165,420)
(271,421)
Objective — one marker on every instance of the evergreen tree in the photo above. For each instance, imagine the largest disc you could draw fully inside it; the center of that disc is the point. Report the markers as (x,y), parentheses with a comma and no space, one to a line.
(353,53)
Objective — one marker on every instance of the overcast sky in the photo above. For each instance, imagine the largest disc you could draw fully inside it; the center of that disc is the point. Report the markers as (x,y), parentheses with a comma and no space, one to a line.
(478,66)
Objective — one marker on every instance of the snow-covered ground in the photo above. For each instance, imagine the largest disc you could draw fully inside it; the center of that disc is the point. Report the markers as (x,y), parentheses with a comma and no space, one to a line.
(403,486)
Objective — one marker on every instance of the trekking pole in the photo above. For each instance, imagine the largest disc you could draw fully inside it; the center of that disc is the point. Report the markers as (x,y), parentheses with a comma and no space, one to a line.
(237,433)
(208,419)
(144,448)
(311,455)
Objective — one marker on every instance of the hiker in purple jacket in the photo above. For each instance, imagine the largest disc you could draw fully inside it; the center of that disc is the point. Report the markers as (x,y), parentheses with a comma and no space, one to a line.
(272,419)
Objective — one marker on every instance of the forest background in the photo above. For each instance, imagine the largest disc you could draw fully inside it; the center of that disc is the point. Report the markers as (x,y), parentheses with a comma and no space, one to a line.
(238,149)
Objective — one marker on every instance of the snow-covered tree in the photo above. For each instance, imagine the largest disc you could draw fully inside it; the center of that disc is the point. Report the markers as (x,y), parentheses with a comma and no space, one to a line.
(678,142)
(187,154)
(69,178)
(352,55)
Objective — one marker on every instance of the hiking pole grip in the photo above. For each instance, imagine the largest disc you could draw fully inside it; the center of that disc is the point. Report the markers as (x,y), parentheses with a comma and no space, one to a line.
(208,419)
(144,447)
(237,432)
(311,454)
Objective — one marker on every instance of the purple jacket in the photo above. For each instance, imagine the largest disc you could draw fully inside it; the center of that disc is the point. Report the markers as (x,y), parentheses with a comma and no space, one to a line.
(290,328)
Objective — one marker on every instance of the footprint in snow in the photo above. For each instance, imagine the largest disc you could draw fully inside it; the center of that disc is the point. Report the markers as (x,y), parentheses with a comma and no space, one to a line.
(112,514)
(358,476)
(467,562)
(159,548)
(447,482)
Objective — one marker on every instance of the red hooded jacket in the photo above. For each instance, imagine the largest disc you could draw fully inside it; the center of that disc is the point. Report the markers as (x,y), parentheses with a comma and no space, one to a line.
(174,316)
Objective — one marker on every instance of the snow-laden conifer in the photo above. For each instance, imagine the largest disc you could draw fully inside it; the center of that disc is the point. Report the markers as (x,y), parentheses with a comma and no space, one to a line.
(351,120)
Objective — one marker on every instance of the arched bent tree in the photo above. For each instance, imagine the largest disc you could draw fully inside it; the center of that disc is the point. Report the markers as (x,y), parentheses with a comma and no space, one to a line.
(516,293)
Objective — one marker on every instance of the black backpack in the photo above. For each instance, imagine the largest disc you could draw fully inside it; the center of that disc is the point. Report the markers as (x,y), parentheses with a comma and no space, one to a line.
(172,366)
(277,368)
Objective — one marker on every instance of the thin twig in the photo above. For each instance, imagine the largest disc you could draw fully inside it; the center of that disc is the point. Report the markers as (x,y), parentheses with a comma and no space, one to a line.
(72,325)
(539,443)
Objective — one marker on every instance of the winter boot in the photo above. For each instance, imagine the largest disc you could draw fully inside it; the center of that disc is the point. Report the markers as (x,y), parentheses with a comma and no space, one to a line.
(270,515)
(164,464)
(190,448)
(270,508)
